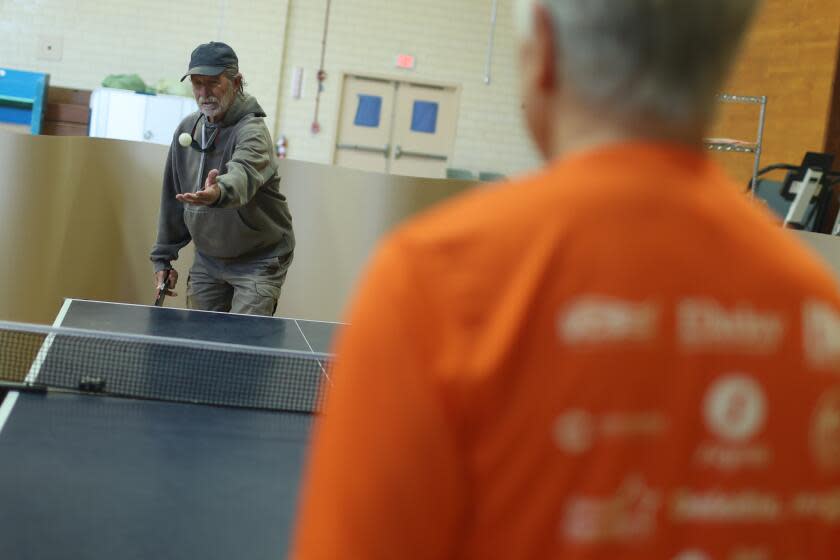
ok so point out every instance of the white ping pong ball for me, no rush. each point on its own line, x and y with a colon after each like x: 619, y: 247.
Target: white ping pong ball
x: 185, y: 139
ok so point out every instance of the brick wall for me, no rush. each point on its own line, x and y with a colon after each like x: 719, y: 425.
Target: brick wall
x: 791, y: 56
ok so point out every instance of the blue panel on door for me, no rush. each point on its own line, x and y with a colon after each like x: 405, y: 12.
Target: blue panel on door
x: 424, y: 117
x: 369, y: 111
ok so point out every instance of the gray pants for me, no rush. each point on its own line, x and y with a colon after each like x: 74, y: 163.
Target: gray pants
x: 251, y: 287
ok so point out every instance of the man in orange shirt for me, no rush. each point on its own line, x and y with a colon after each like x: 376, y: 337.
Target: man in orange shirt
x: 620, y: 356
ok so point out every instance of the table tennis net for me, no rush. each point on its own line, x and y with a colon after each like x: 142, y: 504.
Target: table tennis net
x: 39, y: 358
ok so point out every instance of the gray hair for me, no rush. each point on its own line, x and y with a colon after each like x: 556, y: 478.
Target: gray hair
x: 661, y: 58
x: 231, y: 73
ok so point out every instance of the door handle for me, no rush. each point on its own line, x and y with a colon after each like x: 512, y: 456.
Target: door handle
x: 399, y: 152
x: 369, y: 149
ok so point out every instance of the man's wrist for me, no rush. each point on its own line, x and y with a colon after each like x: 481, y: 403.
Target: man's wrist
x: 219, y: 201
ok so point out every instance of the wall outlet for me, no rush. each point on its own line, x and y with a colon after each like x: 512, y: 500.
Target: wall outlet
x: 50, y: 47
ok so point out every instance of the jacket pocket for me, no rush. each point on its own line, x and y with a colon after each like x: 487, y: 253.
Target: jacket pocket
x: 245, y: 222
x: 222, y: 233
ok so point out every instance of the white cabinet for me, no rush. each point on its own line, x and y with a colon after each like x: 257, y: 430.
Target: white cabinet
x: 126, y: 115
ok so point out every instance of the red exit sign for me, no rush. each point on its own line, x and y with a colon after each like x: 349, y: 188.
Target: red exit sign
x: 405, y: 61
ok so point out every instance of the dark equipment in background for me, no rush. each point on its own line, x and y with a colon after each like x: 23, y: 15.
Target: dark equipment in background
x: 806, y: 197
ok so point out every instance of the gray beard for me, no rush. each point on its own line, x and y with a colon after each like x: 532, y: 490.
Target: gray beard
x: 223, y: 106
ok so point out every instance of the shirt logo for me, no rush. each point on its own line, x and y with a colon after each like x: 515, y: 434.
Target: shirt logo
x: 629, y: 514
x: 735, y: 411
x: 715, y: 507
x: 750, y: 554
x: 735, y: 408
x: 576, y: 431
x: 821, y: 334
x: 596, y: 319
x: 706, y: 325
x: 824, y: 507
x: 692, y: 554
x: 825, y: 431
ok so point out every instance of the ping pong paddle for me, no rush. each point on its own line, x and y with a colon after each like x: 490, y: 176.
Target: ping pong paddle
x: 161, y: 290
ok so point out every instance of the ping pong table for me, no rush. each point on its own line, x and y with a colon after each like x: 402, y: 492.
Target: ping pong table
x: 97, y: 476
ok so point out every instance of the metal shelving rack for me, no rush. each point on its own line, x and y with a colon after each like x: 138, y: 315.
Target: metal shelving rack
x: 744, y: 147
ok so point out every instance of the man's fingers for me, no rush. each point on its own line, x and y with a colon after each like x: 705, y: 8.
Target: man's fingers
x: 189, y: 198
x: 166, y: 282
x: 212, y: 194
x: 205, y: 197
x: 211, y: 178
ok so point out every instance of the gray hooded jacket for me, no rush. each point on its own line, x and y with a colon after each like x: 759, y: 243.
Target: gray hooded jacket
x: 251, y: 219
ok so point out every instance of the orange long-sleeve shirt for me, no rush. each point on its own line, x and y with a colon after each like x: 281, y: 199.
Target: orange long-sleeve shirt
x: 619, y: 357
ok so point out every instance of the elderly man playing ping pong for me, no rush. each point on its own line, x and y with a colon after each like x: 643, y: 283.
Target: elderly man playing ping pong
x: 221, y: 190
x: 618, y: 356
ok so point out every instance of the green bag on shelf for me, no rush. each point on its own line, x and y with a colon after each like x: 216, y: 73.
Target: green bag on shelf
x: 131, y: 82
x: 174, y: 87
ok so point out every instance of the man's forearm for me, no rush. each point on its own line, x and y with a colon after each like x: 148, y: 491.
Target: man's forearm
x: 249, y: 169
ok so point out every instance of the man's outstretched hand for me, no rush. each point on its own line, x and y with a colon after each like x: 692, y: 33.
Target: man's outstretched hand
x: 207, y: 196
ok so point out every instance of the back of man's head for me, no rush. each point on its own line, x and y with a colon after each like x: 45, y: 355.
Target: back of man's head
x: 661, y: 59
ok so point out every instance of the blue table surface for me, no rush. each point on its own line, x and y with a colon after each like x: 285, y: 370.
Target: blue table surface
x: 98, y: 477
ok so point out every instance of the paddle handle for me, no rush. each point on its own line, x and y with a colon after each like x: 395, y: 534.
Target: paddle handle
x: 161, y: 290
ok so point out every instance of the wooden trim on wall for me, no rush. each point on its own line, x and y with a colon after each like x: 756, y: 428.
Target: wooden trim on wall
x: 832, y: 129
x: 832, y: 144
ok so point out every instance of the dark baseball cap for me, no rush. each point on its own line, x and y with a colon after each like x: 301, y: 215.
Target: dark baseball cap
x: 211, y: 59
